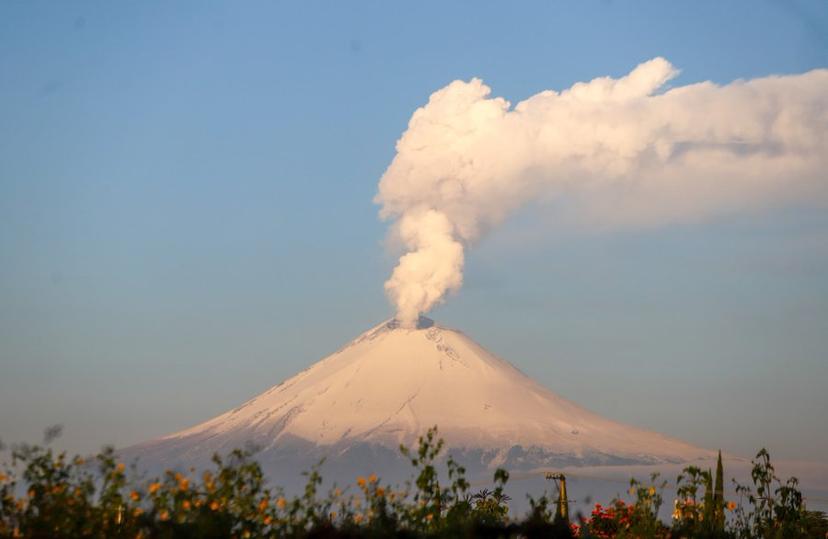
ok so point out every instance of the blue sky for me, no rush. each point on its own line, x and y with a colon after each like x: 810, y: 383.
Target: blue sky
x: 186, y: 216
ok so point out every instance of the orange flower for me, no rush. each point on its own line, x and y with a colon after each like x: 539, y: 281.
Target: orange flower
x: 137, y: 512
x: 263, y: 505
x: 361, y: 481
x: 120, y: 467
x: 164, y: 515
x: 214, y: 505
x: 380, y: 492
x: 186, y: 505
x: 183, y: 483
x: 731, y: 506
x: 281, y: 502
x: 267, y: 520
x: 153, y: 488
x: 373, y: 478
x: 134, y: 496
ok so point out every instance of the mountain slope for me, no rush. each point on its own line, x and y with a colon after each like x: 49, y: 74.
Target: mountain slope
x: 389, y: 385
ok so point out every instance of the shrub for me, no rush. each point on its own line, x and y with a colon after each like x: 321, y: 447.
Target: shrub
x: 44, y: 493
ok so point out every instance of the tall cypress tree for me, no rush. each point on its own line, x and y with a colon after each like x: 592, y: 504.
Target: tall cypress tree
x: 718, y: 495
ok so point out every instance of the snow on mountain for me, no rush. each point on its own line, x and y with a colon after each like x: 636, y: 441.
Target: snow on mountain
x: 388, y: 386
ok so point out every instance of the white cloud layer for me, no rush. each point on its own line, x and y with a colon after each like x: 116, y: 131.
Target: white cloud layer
x: 621, y: 151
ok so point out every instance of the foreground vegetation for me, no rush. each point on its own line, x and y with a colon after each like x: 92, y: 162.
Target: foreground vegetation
x: 44, y: 493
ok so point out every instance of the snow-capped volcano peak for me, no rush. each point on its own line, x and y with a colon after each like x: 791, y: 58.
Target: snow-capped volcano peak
x: 392, y: 383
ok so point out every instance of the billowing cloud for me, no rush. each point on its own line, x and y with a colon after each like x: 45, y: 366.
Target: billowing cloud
x: 620, y: 151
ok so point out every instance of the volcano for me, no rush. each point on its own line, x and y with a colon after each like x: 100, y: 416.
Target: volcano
x: 387, y: 387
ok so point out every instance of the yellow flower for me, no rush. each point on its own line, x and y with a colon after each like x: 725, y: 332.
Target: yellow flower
x: 651, y: 492
x: 361, y: 481
x: 281, y: 502
x: 164, y: 514
x: 677, y: 514
x: 134, y: 496
x: 333, y: 515
x: 631, y: 491
x: 153, y: 488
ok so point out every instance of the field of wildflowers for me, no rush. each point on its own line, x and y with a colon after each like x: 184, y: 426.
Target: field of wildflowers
x: 44, y: 493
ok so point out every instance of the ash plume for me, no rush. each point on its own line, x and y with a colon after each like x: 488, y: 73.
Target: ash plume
x: 620, y: 152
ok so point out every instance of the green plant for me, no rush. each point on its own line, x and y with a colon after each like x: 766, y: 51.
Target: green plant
x: 44, y: 493
x: 774, y: 509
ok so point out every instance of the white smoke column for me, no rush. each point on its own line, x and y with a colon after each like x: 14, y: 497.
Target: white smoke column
x: 433, y: 265
x: 622, y: 151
